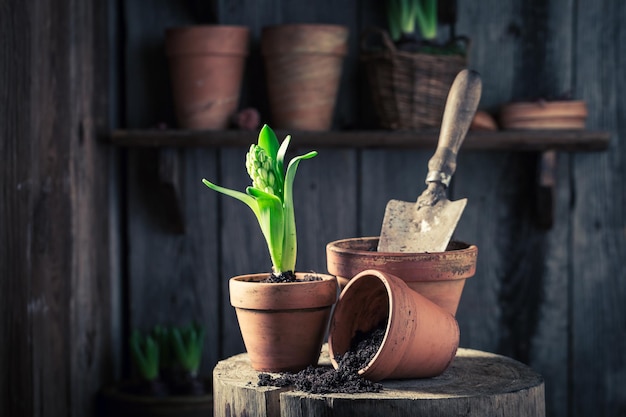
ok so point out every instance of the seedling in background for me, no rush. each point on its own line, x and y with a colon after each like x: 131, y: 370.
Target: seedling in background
x: 187, y: 347
x: 403, y: 15
x: 162, y: 335
x: 271, y: 197
x: 145, y: 354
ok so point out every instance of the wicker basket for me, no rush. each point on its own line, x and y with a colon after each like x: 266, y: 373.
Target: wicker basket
x: 409, y: 89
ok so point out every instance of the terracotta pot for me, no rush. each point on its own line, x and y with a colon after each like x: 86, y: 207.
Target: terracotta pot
x: 440, y: 276
x: 283, y: 325
x: 303, y: 65
x: 566, y: 114
x: 206, y: 68
x: 420, y: 340
x: 117, y: 401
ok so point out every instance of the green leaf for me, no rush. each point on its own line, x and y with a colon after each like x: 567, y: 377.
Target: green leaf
x: 161, y: 336
x: 271, y: 217
x: 267, y: 196
x: 280, y: 157
x: 426, y: 14
x: 290, y: 244
x: 268, y: 141
x: 244, y: 198
x: 145, y: 354
x: 187, y: 343
x: 408, y: 16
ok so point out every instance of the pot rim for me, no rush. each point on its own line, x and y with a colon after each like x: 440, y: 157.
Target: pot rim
x: 339, y: 247
x: 246, y: 292
x: 197, y: 40
x: 186, y: 27
x: 332, y: 39
x: 339, y: 27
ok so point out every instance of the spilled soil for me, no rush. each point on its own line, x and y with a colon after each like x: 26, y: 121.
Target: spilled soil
x: 346, y: 379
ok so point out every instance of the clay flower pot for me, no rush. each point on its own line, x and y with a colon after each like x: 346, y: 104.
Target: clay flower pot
x: 283, y: 324
x: 206, y: 69
x: 303, y: 64
x: 542, y: 114
x: 420, y: 340
x: 440, y: 276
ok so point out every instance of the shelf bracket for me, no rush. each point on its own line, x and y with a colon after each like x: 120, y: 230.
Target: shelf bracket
x: 545, y: 189
x: 171, y: 189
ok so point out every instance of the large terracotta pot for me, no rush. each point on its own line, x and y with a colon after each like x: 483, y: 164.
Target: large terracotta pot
x: 439, y: 276
x: 206, y: 69
x: 283, y: 324
x: 420, y: 340
x: 303, y: 65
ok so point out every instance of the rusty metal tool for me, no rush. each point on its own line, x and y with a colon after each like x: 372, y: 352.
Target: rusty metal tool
x: 428, y: 224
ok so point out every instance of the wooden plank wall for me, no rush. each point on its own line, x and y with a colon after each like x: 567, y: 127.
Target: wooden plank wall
x: 550, y: 298
x: 55, y: 303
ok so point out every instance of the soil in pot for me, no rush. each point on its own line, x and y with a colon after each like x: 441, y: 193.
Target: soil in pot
x: 345, y: 379
x: 289, y: 276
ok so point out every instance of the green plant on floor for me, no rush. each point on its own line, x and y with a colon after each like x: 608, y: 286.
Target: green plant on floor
x: 145, y: 354
x: 186, y: 344
x: 270, y: 197
x: 168, y: 359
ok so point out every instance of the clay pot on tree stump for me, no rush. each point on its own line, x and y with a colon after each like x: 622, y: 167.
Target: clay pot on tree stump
x: 420, y: 339
x: 303, y: 64
x: 206, y: 69
x: 283, y: 324
x: 439, y: 276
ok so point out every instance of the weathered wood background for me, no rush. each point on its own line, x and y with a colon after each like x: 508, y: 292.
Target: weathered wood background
x: 554, y: 299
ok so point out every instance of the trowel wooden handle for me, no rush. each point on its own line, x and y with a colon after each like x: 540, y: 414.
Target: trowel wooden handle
x: 460, y: 109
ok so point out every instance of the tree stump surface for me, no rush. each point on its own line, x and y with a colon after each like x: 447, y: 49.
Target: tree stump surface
x: 476, y: 384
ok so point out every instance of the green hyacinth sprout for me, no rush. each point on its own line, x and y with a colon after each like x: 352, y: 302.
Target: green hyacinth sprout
x: 270, y: 196
x: 404, y: 14
x: 145, y: 354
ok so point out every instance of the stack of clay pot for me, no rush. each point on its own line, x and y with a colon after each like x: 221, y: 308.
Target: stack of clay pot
x: 415, y: 295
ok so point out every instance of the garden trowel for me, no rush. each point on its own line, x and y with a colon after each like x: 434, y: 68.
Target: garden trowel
x: 428, y: 224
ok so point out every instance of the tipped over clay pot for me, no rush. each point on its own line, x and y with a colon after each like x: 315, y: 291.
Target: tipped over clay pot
x: 439, y: 276
x: 420, y: 339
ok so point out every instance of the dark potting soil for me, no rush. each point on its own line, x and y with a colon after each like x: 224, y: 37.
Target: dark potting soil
x: 346, y: 379
x: 289, y: 276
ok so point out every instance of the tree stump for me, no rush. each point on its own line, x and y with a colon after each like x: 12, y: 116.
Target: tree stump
x: 476, y: 384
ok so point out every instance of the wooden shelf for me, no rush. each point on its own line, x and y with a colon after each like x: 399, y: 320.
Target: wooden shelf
x: 518, y: 140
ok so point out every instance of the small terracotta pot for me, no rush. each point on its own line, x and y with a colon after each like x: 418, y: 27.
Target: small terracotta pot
x: 303, y: 64
x: 564, y: 114
x: 283, y: 324
x: 421, y: 338
x: 439, y: 276
x: 206, y: 69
